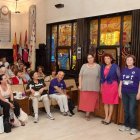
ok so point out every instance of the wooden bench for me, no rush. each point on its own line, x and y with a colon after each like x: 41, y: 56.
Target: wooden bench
x: 71, y: 90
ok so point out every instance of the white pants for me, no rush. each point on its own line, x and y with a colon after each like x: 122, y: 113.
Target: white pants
x: 45, y: 101
x: 61, y: 100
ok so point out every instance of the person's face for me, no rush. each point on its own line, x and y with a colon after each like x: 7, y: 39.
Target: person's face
x: 129, y: 61
x: 90, y: 59
x: 40, y: 70
x: 35, y: 76
x: 53, y: 73
x: 19, y: 74
x: 3, y: 70
x: 60, y: 75
x: 4, y: 79
x: 4, y: 59
x: 107, y: 60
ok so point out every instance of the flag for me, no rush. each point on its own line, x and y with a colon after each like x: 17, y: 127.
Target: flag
x: 25, y: 50
x: 15, y: 49
x: 32, y: 49
x: 20, y: 48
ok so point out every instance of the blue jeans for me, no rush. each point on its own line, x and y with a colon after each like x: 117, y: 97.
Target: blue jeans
x: 130, y: 105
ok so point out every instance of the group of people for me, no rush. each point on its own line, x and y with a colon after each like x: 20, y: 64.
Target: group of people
x: 35, y: 81
x: 107, y: 79
x: 112, y: 83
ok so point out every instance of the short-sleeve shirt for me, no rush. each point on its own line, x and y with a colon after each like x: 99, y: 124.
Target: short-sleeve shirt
x: 61, y: 84
x: 130, y: 80
x: 36, y: 86
x: 90, y: 78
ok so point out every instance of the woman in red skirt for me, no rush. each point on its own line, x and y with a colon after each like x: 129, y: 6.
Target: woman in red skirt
x: 89, y: 85
x: 109, y: 86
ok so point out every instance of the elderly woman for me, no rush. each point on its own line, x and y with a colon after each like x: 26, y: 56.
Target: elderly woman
x: 110, y: 74
x: 89, y: 85
x: 50, y: 77
x: 129, y: 91
x: 38, y: 91
x: 6, y: 96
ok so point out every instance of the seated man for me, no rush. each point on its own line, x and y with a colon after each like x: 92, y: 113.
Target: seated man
x: 57, y: 91
x: 38, y: 92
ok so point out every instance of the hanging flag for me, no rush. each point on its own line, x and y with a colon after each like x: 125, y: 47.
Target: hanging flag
x: 15, y: 48
x: 20, y: 48
x: 32, y: 49
x: 25, y: 50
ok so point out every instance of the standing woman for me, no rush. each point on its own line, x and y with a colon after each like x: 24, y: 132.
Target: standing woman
x: 109, y: 86
x: 129, y: 91
x: 89, y: 85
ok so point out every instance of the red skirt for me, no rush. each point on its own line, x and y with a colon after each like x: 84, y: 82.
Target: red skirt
x: 89, y: 101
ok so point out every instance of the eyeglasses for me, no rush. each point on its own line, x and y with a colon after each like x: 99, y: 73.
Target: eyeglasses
x: 89, y: 57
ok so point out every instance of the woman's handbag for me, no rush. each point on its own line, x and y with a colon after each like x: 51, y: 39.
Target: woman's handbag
x: 1, y: 124
x: 23, y: 116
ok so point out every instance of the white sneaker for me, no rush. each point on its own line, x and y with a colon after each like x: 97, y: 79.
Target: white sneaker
x: 50, y: 116
x: 36, y: 119
x: 124, y: 128
x: 133, y: 131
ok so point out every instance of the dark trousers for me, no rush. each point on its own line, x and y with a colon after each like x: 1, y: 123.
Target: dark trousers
x: 16, y: 109
x: 130, y: 105
x: 6, y: 108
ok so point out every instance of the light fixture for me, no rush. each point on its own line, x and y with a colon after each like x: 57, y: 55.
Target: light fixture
x: 16, y: 9
x: 59, y: 5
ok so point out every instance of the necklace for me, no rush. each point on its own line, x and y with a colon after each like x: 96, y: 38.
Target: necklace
x: 90, y: 65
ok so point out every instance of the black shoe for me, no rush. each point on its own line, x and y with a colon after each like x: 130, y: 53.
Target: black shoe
x: 72, y: 112
x: 102, y: 121
x: 107, y: 123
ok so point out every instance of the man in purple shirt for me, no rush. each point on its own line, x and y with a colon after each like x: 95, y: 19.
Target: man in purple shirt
x: 57, y: 91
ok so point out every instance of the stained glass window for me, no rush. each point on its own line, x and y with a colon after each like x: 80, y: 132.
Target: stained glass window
x: 110, y: 31
x: 65, y: 34
x: 53, y: 46
x: 64, y: 59
x: 127, y: 24
x: 93, y: 32
x: 74, y: 58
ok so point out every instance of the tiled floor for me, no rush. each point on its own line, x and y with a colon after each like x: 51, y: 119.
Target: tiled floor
x: 67, y: 128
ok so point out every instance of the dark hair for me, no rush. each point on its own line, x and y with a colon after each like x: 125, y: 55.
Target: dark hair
x: 91, y: 55
x: 2, y: 66
x: 107, y: 55
x: 132, y: 56
x: 1, y: 77
x: 32, y: 74
x: 41, y: 68
x: 18, y: 71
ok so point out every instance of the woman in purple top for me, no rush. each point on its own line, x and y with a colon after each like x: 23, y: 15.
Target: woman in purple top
x: 129, y: 91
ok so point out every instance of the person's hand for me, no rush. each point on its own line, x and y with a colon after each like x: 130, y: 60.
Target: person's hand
x: 138, y: 96
x: 11, y: 105
x: 79, y: 87
x: 32, y: 91
x: 41, y: 90
x: 120, y: 95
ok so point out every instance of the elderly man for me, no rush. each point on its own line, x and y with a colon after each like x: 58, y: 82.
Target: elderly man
x: 57, y: 91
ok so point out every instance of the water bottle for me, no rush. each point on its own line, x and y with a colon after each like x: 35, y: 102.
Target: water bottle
x: 11, y: 116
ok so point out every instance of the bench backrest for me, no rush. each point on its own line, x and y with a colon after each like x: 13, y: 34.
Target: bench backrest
x: 17, y: 88
x: 71, y: 82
